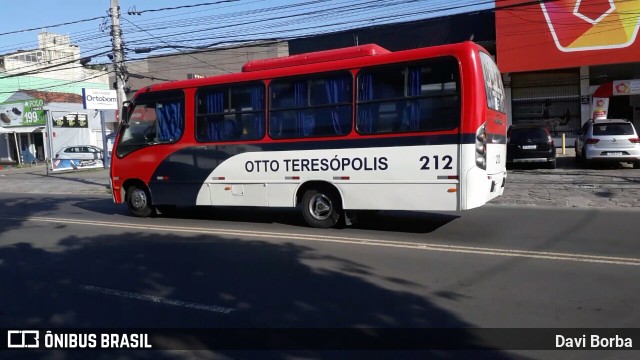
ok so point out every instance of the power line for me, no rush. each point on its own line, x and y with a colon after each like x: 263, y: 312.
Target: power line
x: 133, y: 11
x: 51, y: 26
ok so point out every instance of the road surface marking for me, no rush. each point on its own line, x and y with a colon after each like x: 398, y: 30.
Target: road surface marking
x: 158, y: 299
x: 352, y: 240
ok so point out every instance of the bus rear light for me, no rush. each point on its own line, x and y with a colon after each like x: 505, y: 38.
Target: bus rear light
x: 592, y: 141
x: 481, y: 147
x: 481, y: 136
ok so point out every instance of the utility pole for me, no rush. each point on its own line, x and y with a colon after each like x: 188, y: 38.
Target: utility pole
x: 118, y: 54
x: 119, y: 70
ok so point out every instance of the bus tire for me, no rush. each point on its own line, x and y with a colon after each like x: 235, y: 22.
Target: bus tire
x: 139, y: 201
x: 321, y: 208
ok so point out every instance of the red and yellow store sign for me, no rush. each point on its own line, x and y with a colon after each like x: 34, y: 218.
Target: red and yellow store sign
x: 566, y: 33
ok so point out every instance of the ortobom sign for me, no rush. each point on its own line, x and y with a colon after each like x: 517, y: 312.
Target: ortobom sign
x: 99, y: 99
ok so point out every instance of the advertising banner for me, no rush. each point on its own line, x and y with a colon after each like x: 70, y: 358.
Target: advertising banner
x: 22, y: 113
x: 599, y: 108
x: 543, y: 35
x: 72, y: 121
x: 626, y: 87
x: 76, y: 164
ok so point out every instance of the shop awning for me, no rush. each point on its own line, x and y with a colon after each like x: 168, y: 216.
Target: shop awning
x: 21, y: 129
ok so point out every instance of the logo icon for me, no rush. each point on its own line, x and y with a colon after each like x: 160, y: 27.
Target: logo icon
x: 584, y: 25
x: 23, y: 339
x: 622, y: 88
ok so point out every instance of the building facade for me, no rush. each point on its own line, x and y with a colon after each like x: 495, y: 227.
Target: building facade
x: 53, y: 66
x: 36, y: 86
x: 561, y: 60
x: 25, y: 138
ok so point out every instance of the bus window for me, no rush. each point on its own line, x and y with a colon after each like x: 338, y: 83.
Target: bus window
x: 422, y: 97
x: 230, y: 113
x: 493, y: 84
x: 310, y: 107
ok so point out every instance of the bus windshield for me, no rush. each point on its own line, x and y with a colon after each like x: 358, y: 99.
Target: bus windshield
x: 152, y: 121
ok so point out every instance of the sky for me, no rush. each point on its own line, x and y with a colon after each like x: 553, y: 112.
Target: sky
x: 204, y: 23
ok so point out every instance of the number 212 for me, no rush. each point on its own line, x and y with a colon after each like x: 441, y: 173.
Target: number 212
x: 447, y: 159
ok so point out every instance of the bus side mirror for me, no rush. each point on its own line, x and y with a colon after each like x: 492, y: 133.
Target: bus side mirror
x: 126, y: 107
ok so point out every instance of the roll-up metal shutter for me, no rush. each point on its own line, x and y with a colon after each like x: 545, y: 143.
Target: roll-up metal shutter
x: 551, y: 98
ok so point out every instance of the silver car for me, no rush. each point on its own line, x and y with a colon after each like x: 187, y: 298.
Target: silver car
x: 608, y: 140
x: 80, y: 152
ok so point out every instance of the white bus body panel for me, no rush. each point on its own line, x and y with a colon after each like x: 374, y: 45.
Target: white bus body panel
x: 390, y: 178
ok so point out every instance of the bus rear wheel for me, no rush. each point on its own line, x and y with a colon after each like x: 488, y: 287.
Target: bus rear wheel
x: 321, y: 208
x: 139, y: 201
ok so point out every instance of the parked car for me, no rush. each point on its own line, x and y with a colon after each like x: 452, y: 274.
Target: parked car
x: 608, y: 141
x: 80, y: 152
x: 530, y: 144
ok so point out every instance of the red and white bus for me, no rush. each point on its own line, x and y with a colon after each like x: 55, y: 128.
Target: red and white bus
x: 358, y: 128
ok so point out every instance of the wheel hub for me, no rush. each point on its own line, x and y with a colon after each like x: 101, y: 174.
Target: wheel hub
x: 320, y: 207
x: 138, y: 199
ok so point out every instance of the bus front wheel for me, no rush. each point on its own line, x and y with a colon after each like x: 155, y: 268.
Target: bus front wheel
x: 321, y: 208
x: 139, y: 201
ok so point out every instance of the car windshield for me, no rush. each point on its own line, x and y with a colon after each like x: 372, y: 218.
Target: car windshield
x: 613, y: 129
x: 528, y: 133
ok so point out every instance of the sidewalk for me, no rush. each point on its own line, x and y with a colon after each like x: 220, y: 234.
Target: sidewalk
x: 566, y: 186
x: 616, y: 187
x: 34, y: 180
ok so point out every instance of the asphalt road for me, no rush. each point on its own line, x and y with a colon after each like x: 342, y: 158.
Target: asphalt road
x: 80, y: 261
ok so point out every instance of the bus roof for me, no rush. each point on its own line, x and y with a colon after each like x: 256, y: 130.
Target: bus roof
x: 315, y: 57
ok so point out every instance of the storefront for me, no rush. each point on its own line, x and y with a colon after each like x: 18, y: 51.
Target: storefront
x: 24, y: 133
x: 22, y: 137
x: 556, y: 55
x: 549, y: 97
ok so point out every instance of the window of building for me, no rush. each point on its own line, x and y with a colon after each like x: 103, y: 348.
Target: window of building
x: 550, y: 98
